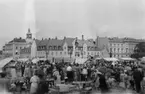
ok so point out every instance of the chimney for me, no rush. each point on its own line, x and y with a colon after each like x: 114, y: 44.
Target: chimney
x: 49, y: 38
x: 42, y: 38
x: 56, y: 38
x: 97, y: 41
x: 82, y: 37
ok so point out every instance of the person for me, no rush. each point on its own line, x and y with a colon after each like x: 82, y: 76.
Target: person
x: 4, y: 82
x: 34, y: 83
x: 69, y: 73
x: 138, y: 76
x: 56, y: 76
x: 143, y: 86
x: 102, y: 83
x: 84, y: 74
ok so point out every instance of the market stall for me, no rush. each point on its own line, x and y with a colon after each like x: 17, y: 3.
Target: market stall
x: 23, y: 59
x: 5, y: 62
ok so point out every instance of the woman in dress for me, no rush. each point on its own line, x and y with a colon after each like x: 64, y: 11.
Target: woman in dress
x: 34, y: 83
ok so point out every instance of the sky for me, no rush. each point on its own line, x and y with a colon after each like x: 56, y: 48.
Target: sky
x: 73, y: 18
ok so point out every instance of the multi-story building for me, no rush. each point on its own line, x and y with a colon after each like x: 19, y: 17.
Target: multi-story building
x: 119, y: 47
x: 12, y: 48
x: 67, y: 48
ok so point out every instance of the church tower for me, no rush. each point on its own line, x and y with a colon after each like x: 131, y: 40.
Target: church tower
x: 29, y: 36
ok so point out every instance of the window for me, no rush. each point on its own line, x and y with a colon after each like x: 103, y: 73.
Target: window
x: 16, y: 47
x: 51, y: 53
x: 64, y: 48
x: 65, y: 53
x: 50, y: 48
x: 84, y: 53
x: 60, y: 53
x: 88, y: 53
x: 16, y: 53
x: 126, y: 49
x: 118, y: 49
x: 54, y: 47
x: 92, y: 53
x: 114, y: 44
x: 59, y: 47
x: 114, y: 49
x: 56, y: 53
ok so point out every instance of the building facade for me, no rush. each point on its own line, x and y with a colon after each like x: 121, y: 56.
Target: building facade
x: 13, y: 48
x: 63, y: 49
x: 119, y: 47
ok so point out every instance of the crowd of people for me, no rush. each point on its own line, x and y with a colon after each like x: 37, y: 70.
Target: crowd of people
x: 38, y: 78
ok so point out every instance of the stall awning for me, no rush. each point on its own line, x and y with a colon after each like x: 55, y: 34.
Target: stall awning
x: 23, y: 59
x: 35, y: 60
x: 111, y: 59
x: 5, y: 61
x: 80, y: 61
x: 127, y: 59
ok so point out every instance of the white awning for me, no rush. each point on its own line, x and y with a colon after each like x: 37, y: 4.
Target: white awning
x: 23, y: 59
x: 80, y: 61
x: 35, y: 60
x: 111, y: 59
x: 127, y: 59
x: 5, y: 61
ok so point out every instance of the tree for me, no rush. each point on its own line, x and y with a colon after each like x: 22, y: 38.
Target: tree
x: 139, y: 50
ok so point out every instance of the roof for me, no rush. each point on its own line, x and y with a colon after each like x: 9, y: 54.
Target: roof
x: 37, y: 41
x: 116, y: 39
x: 18, y: 40
x: 55, y: 42
x: 81, y: 42
x: 43, y: 42
x: 69, y: 41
